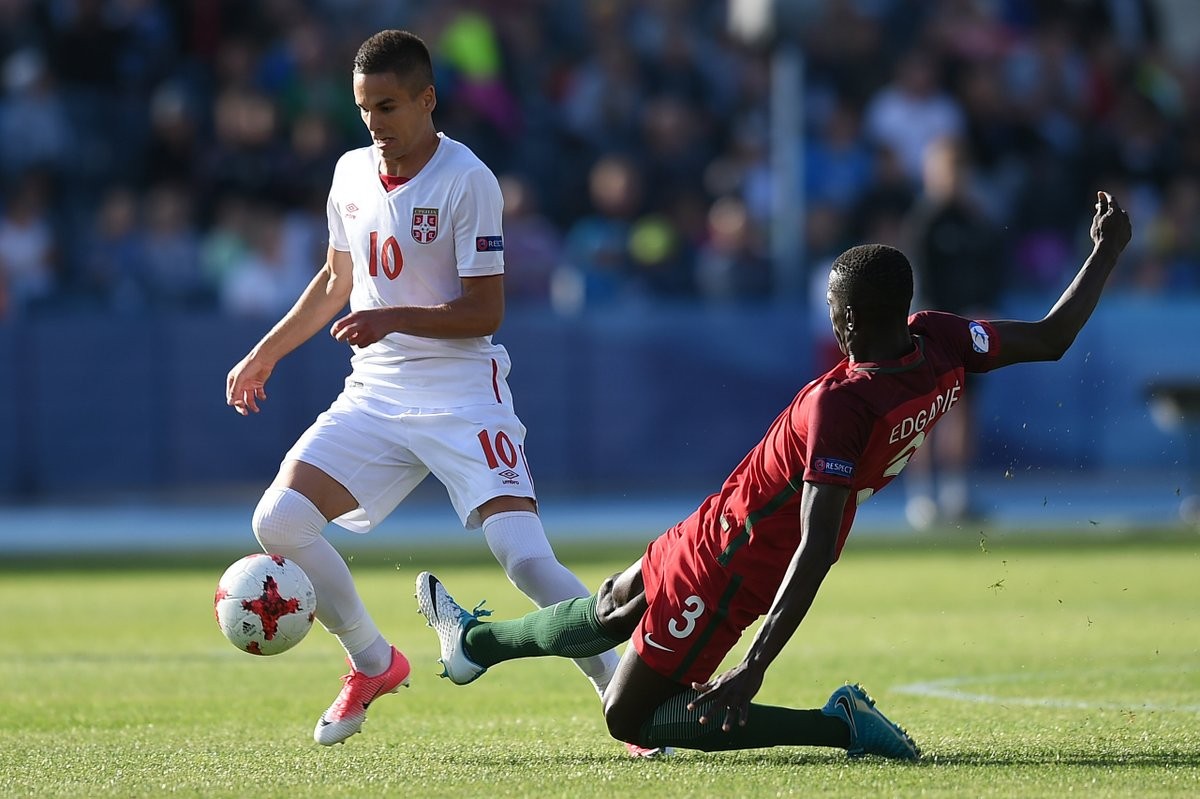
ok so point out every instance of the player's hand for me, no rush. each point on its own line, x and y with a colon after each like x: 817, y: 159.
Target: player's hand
x: 727, y: 696
x: 1111, y: 224
x: 363, y: 328
x: 245, y: 386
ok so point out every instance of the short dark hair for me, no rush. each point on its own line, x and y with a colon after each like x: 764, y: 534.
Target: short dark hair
x: 399, y: 52
x: 874, y: 275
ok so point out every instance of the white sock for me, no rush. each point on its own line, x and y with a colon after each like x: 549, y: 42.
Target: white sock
x: 286, y: 522
x: 373, y: 660
x: 518, y: 541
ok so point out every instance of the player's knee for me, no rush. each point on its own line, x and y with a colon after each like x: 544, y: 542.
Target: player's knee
x: 285, y: 519
x: 624, y: 723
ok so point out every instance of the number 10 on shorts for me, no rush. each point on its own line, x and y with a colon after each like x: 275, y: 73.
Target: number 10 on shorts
x: 498, y: 449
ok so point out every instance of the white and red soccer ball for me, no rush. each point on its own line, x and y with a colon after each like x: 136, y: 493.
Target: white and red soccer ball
x: 265, y: 604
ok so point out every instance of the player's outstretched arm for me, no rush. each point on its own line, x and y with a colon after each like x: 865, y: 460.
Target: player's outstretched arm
x: 1050, y: 338
x: 326, y: 294
x: 821, y: 509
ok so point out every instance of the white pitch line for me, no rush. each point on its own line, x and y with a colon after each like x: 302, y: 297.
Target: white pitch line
x: 949, y: 689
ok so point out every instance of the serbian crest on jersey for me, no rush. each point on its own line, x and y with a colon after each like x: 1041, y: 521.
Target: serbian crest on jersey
x: 424, y: 225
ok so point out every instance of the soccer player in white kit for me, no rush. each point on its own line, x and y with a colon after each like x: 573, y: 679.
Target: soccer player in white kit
x: 416, y: 247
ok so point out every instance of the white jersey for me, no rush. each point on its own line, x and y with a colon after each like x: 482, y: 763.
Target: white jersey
x: 410, y: 246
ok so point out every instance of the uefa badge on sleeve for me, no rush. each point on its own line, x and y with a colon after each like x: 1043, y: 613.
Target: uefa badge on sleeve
x: 979, y: 338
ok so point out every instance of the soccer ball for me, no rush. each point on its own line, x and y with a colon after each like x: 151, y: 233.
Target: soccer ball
x: 264, y: 604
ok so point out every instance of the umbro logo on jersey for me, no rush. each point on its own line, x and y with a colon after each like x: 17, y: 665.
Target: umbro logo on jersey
x: 424, y: 225
x: 351, y: 210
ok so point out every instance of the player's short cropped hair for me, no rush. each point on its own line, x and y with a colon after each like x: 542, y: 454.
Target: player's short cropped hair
x: 399, y: 52
x: 873, y: 275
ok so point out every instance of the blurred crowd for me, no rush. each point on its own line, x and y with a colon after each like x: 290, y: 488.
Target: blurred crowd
x: 168, y: 154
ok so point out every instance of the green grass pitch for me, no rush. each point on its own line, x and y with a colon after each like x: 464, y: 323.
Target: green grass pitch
x: 1022, y: 669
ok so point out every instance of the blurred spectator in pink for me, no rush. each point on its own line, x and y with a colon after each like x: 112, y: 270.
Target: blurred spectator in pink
x: 959, y: 266
x: 1170, y: 264
x: 532, y: 245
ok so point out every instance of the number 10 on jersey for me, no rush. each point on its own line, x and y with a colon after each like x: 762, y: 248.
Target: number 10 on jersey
x: 390, y: 256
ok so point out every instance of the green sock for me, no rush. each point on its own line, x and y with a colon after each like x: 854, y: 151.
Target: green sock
x: 672, y: 724
x: 567, y: 629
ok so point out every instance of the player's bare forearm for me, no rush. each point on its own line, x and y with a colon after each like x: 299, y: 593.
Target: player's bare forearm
x: 821, y: 508
x: 325, y: 295
x: 1051, y: 337
x: 1079, y: 300
x: 804, y: 576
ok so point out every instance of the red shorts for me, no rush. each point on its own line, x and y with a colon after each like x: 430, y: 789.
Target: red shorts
x: 696, y: 609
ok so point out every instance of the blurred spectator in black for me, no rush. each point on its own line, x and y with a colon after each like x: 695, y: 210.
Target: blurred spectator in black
x: 959, y: 266
x: 173, y: 149
x: 246, y: 155
x: 307, y: 163
x: 880, y: 213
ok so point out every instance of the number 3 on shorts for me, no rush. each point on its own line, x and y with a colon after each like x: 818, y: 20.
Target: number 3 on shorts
x: 694, y: 610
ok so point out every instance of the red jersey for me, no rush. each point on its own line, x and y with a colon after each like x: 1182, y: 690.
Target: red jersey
x: 857, y: 425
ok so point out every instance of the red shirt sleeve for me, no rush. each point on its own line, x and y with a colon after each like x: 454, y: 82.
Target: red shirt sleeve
x: 975, y: 342
x: 839, y: 428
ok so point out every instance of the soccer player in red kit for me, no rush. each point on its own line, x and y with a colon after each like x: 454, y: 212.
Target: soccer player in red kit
x: 763, y: 544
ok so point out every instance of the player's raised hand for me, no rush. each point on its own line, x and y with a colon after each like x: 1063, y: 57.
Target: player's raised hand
x: 246, y: 384
x: 1110, y: 224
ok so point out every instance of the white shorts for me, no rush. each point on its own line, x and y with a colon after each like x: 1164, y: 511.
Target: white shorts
x: 381, y: 451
